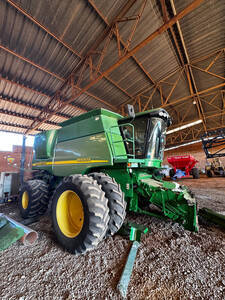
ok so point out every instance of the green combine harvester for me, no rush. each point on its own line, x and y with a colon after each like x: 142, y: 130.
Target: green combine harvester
x: 97, y: 166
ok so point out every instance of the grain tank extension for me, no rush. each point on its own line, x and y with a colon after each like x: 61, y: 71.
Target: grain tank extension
x: 96, y: 167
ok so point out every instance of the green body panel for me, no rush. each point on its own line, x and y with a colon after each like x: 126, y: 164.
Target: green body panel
x: 83, y: 142
x: 97, y: 153
x: 141, y: 187
x: 122, y: 175
x: 90, y: 114
x: 93, y: 142
x: 212, y: 216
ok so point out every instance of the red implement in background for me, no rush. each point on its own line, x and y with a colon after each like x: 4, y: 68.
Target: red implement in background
x: 182, y: 162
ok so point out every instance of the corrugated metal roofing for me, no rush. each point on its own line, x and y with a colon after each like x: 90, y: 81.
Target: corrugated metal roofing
x: 34, y: 62
x: 202, y: 28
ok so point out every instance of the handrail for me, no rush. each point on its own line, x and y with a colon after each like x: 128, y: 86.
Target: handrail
x: 123, y: 140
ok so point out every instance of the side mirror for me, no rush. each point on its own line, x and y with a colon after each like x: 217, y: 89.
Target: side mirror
x: 130, y: 110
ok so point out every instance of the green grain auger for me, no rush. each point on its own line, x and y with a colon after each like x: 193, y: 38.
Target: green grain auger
x: 95, y: 167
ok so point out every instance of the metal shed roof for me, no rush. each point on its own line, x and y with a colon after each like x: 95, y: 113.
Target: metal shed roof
x: 59, y: 59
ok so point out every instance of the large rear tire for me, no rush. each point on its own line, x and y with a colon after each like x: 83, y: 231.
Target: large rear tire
x: 33, y: 198
x: 80, y: 213
x: 116, y: 202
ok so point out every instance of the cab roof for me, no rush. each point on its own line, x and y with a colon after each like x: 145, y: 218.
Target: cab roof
x: 108, y: 113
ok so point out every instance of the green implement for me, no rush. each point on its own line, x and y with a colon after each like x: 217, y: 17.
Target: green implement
x: 125, y: 278
x: 135, y: 231
x: 212, y: 216
x: 9, y: 233
x: 98, y: 166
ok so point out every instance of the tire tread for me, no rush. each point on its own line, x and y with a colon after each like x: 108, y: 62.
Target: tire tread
x: 116, y: 201
x: 38, y: 196
x: 98, y: 211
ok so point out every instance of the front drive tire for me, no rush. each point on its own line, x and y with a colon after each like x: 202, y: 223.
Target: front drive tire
x: 116, y: 202
x: 80, y: 213
x: 33, y: 198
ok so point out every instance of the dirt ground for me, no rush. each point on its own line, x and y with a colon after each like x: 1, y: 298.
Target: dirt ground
x: 171, y: 263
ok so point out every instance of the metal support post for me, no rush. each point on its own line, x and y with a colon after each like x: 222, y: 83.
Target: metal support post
x: 22, y: 160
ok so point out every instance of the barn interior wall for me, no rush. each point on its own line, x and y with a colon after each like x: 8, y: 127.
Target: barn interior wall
x: 6, y: 166
x: 194, y: 149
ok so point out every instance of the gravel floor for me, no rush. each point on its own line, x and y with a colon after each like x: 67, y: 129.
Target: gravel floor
x: 171, y: 263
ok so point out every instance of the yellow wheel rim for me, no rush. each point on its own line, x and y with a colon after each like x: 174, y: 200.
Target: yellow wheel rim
x: 25, y: 200
x: 70, y: 214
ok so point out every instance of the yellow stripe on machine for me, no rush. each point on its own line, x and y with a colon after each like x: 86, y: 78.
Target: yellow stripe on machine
x: 69, y: 162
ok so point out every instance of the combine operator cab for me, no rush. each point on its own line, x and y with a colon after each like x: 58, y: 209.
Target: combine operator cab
x: 145, y: 135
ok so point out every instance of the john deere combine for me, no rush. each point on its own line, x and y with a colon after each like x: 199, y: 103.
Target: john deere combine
x: 97, y: 165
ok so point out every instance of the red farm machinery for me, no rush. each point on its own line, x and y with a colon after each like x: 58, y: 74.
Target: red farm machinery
x: 183, y: 166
